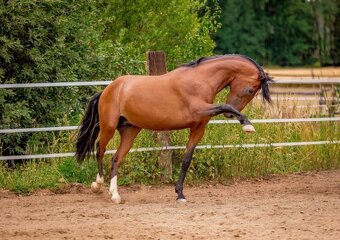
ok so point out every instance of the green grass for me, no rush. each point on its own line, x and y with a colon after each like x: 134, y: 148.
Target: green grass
x: 208, y: 164
x: 29, y: 176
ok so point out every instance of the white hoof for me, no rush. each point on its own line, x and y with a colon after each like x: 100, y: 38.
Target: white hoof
x: 181, y: 200
x: 99, y: 179
x: 95, y: 187
x: 116, y: 200
x: 248, y: 128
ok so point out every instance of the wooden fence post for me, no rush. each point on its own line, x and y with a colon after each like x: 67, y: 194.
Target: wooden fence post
x: 156, y: 65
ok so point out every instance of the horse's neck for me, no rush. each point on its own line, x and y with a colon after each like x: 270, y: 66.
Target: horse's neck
x: 216, y: 75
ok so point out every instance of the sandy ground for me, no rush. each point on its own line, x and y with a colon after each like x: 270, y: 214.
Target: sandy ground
x: 298, y: 206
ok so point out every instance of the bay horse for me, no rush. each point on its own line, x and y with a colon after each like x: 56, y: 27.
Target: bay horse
x: 182, y: 98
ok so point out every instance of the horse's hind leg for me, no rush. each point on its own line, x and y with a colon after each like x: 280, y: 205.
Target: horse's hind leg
x: 105, y: 135
x: 127, y: 135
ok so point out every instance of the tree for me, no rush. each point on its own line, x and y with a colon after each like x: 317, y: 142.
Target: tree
x: 335, y: 39
x: 243, y: 30
x: 67, y: 40
x: 39, y: 43
x: 292, y: 41
x: 169, y: 25
x: 286, y: 33
x: 324, y: 16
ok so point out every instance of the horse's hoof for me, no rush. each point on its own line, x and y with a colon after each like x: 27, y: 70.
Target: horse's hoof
x: 116, y: 200
x: 95, y: 187
x: 248, y: 128
x: 100, y: 179
x: 181, y: 200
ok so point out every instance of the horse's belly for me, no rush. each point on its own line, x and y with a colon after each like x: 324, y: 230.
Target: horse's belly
x: 154, y: 105
x: 157, y: 121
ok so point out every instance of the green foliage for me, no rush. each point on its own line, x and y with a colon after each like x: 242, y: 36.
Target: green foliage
x: 40, y: 42
x: 286, y: 33
x: 29, y: 176
x: 70, y: 171
x: 335, y: 35
x: 171, y: 26
x: 33, y: 175
x: 293, y: 39
x: 325, y: 18
x: 243, y: 29
x: 66, y: 40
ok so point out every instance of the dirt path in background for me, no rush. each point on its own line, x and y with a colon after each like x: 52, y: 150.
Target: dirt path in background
x: 299, y: 206
x: 305, y: 72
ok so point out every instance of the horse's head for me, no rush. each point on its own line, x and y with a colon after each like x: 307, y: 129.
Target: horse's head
x: 243, y: 76
x: 246, y: 84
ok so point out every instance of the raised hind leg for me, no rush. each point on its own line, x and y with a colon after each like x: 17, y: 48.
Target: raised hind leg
x: 128, y: 134
x: 195, y: 136
x: 104, y: 137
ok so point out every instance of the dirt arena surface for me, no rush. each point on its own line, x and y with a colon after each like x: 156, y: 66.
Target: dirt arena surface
x: 298, y: 206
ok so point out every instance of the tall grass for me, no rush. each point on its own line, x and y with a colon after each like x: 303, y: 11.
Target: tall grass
x: 208, y: 164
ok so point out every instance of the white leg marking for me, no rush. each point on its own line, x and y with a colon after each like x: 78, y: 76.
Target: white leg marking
x: 99, y: 179
x: 114, y: 190
x: 181, y: 200
x: 248, y: 128
x: 95, y: 186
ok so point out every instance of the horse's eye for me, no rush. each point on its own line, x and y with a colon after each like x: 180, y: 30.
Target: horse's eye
x: 251, y: 91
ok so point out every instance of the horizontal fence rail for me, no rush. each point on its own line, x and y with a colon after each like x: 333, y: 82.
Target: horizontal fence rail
x: 278, y: 120
x: 308, y: 81
x: 314, y: 106
x: 291, y: 98
x: 107, y: 82
x: 55, y: 84
x: 296, y: 98
x: 150, y: 149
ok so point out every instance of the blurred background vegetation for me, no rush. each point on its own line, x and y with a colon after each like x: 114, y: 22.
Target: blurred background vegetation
x: 281, y: 33
x: 86, y: 40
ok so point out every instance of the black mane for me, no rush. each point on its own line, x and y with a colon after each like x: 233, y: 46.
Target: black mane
x: 200, y: 60
x: 263, y: 76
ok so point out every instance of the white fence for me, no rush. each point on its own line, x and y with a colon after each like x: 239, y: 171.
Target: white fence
x: 302, y: 81
x: 150, y: 149
x: 107, y: 82
x: 104, y: 83
x: 280, y: 120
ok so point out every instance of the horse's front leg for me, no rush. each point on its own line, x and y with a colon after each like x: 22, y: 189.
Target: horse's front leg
x: 229, y: 111
x: 195, y: 136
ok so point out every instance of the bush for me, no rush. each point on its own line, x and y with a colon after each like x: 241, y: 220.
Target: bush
x: 66, y: 40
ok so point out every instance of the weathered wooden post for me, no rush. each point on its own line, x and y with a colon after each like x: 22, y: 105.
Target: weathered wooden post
x: 156, y: 65
x: 322, y: 99
x: 333, y: 102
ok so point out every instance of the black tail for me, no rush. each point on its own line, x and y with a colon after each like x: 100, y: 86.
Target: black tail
x: 88, y: 131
